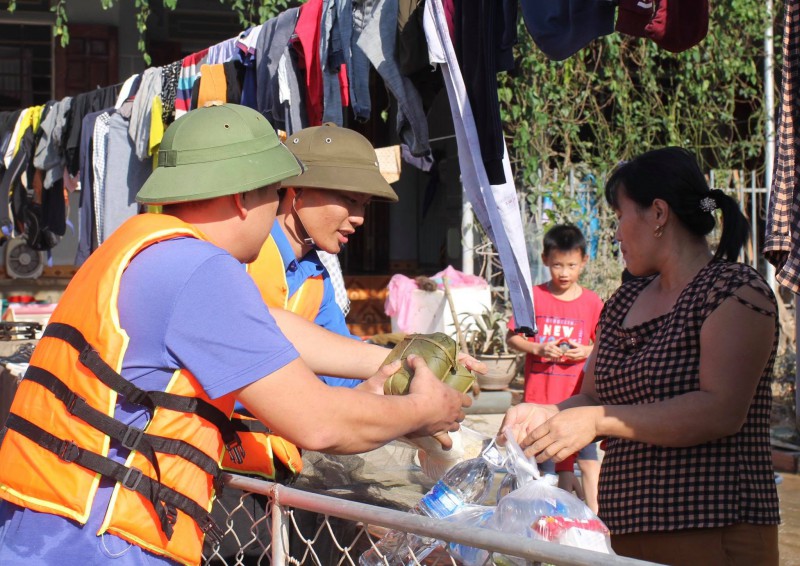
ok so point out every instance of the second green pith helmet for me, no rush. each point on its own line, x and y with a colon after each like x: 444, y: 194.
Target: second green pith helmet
x: 217, y: 151
x: 337, y: 159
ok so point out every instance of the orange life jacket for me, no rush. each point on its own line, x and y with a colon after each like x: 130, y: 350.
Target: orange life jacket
x: 270, y: 276
x: 261, y: 446
x: 62, y: 418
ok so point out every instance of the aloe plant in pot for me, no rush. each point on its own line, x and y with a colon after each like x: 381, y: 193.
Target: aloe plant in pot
x: 485, y: 336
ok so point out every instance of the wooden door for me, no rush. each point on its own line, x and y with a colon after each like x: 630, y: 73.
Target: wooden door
x: 89, y: 61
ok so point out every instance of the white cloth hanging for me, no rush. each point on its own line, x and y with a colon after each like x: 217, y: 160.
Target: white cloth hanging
x: 495, y: 206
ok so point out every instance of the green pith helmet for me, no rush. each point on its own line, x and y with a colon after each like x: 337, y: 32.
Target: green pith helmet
x: 216, y: 151
x: 338, y: 159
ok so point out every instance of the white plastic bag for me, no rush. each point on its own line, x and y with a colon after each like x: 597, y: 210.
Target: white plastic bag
x: 435, y: 461
x: 541, y: 511
x: 471, y: 516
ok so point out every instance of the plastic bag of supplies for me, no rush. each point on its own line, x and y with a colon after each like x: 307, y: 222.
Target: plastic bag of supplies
x: 536, y: 509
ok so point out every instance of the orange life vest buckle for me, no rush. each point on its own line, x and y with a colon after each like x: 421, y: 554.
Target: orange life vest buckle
x: 235, y: 449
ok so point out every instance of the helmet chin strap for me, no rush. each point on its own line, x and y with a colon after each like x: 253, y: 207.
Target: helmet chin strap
x: 308, y: 240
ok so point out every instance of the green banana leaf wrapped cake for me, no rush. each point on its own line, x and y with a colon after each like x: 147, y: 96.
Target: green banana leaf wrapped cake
x: 439, y: 351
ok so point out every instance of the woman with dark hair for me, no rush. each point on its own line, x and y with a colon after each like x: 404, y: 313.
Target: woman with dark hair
x: 679, y: 379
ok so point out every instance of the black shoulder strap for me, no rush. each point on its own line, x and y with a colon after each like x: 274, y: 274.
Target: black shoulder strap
x: 166, y: 501
x: 89, y: 357
x: 249, y: 425
x: 130, y: 437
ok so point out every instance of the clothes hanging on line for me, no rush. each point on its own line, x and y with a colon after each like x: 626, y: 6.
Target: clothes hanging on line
x: 495, y: 206
x: 304, y: 65
x: 780, y: 247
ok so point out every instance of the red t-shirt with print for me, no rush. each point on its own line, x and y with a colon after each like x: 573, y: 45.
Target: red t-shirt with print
x: 549, y: 382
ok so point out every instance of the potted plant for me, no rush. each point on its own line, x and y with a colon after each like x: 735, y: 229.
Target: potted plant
x: 485, y: 336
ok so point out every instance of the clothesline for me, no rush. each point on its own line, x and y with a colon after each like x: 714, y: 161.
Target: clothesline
x: 259, y: 68
x: 442, y: 138
x: 264, y: 62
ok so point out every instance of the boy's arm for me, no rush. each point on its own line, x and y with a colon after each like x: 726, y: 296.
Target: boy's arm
x: 568, y: 481
x: 521, y: 344
x: 580, y: 351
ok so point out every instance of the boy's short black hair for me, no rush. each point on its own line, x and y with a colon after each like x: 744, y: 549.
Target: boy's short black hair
x: 564, y: 238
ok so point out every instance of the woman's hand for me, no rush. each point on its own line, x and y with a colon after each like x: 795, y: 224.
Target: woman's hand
x: 522, y: 419
x: 563, y: 434
x: 471, y: 363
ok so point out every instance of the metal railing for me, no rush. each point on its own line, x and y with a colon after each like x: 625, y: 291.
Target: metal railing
x: 340, y: 530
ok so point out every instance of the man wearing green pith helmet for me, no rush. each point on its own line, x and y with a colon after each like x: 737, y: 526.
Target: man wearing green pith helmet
x: 319, y: 211
x: 159, y: 333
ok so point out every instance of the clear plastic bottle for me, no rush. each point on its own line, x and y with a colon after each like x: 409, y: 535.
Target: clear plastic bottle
x: 472, y: 516
x: 467, y: 482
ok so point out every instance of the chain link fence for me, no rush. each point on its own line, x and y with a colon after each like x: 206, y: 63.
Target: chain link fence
x: 292, y: 526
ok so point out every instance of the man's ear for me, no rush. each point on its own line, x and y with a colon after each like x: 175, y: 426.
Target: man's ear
x: 240, y: 205
x: 289, y: 195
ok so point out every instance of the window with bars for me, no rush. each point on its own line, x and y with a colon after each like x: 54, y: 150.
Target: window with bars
x: 26, y: 62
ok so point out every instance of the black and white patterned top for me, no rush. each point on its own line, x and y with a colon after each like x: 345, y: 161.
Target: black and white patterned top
x: 169, y: 89
x: 780, y: 248
x: 647, y: 488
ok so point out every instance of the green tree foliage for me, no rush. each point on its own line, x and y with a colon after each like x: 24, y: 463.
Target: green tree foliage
x: 621, y: 96
x: 250, y: 12
x: 568, y: 123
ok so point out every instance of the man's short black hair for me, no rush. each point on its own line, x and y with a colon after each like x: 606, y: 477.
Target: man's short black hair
x: 564, y: 238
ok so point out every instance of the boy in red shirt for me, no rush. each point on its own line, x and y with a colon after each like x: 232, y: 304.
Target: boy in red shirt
x: 566, y: 316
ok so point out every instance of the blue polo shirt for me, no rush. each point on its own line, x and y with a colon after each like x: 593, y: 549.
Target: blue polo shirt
x: 330, y: 316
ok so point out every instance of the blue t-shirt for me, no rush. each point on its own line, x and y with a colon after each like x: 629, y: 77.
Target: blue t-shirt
x: 184, y: 303
x: 330, y: 316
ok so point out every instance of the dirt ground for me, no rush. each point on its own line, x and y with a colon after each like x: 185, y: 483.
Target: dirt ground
x: 789, y: 531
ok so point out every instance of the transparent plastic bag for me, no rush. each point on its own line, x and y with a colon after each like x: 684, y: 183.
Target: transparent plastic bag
x: 530, y: 505
x: 472, y: 516
x: 539, y: 510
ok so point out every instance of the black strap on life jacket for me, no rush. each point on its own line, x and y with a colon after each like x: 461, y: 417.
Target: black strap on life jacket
x: 249, y: 425
x: 149, y: 399
x: 283, y: 474
x: 166, y: 501
x: 130, y: 437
